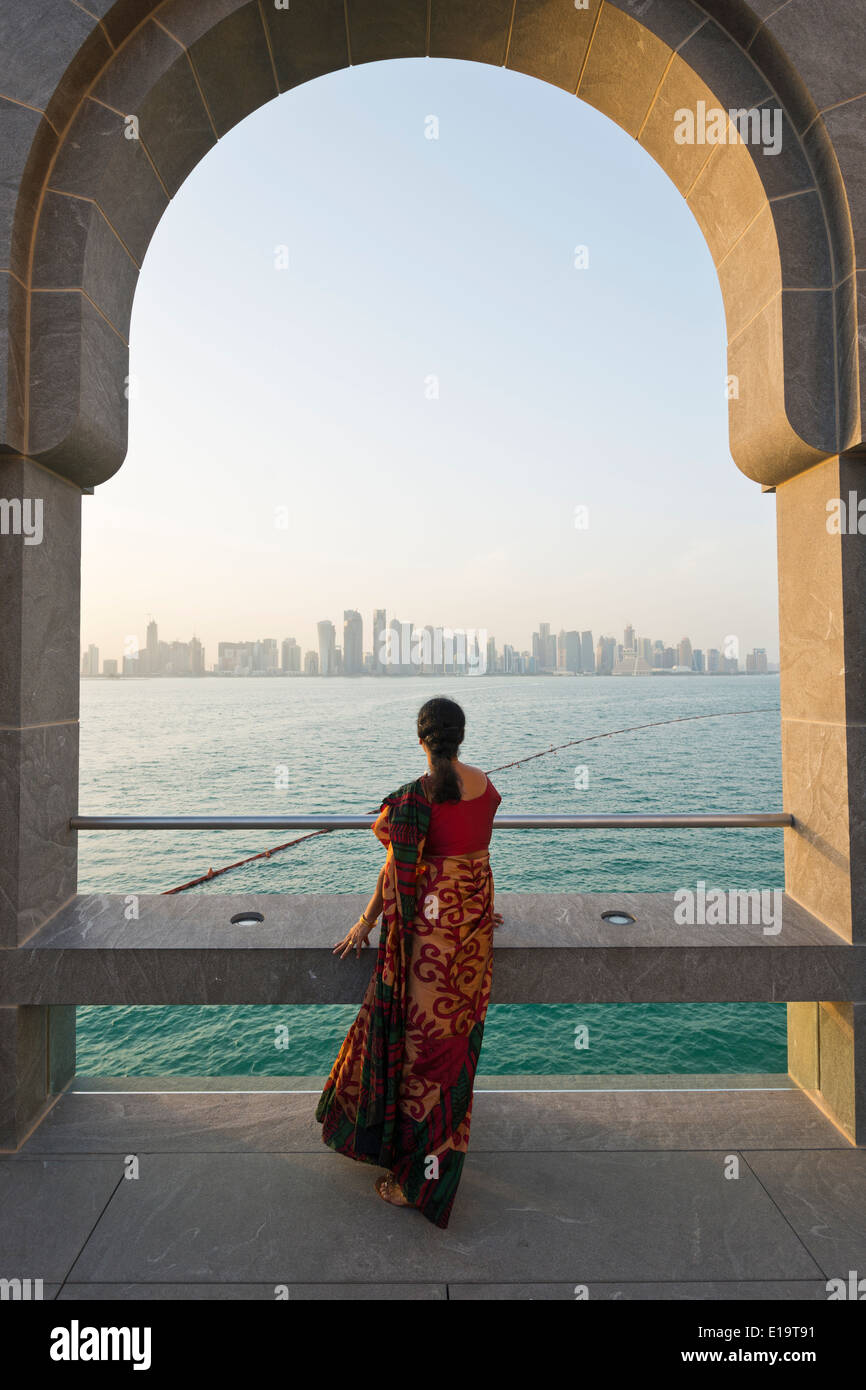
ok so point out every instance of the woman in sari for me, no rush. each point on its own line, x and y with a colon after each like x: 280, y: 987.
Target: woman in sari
x: 400, y: 1092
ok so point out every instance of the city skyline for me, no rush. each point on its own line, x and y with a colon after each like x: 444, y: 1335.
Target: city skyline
x: 403, y: 647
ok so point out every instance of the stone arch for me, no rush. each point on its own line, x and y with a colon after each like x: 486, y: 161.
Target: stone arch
x: 778, y: 226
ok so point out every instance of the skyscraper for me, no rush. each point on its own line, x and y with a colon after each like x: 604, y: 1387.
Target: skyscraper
x: 684, y: 653
x: 353, y: 642
x: 587, y: 653
x: 90, y: 661
x: 628, y: 639
x: 265, y: 655
x: 327, y: 647
x: 291, y: 657
x: 428, y: 647
x: 379, y: 640
x: 407, y: 646
x: 152, y: 667
x: 392, y: 651
x: 605, y: 655
x: 178, y: 663
x: 544, y: 648
x: 572, y: 651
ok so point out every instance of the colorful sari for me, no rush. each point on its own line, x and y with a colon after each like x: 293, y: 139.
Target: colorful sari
x: 400, y: 1092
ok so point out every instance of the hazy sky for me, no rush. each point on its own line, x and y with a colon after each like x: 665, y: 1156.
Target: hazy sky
x: 306, y: 394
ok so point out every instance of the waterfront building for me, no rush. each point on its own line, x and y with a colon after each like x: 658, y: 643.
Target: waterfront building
x: 235, y: 658
x: 152, y: 666
x: 327, y: 647
x: 426, y: 649
x: 90, y: 661
x: 630, y: 664
x: 605, y: 656
x: 265, y: 658
x: 311, y: 663
x: 544, y: 648
x: 290, y: 657
x: 572, y: 651
x: 353, y: 642
x: 177, y: 662
x: 379, y: 641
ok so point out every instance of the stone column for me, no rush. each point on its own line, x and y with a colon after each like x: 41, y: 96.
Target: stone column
x: 40, y: 543
x: 822, y: 622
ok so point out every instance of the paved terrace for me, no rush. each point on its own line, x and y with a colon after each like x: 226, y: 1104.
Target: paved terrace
x: 617, y: 1183
x: 618, y: 1188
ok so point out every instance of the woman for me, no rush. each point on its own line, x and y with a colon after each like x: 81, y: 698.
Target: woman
x: 400, y: 1092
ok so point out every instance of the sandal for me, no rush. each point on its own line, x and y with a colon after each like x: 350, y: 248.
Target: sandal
x: 389, y: 1191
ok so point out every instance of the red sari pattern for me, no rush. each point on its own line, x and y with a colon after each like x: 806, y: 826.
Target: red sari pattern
x: 442, y: 963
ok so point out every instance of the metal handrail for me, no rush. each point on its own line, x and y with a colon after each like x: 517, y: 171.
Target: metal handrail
x: 722, y: 821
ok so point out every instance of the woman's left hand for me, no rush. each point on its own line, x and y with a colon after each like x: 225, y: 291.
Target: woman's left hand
x: 497, y: 919
x: 355, y: 938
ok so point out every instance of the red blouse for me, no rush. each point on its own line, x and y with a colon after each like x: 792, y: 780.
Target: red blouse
x: 462, y: 827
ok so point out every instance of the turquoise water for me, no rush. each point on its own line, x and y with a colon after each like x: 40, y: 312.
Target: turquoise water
x: 339, y: 745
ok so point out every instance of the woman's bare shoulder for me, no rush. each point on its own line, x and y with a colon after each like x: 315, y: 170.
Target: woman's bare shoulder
x: 473, y: 778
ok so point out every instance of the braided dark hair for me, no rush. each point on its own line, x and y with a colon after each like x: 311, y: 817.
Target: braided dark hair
x: 441, y: 725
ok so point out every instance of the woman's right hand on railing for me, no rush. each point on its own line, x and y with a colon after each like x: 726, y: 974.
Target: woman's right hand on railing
x: 355, y: 938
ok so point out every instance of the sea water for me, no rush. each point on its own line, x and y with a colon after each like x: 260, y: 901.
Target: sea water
x: 337, y: 746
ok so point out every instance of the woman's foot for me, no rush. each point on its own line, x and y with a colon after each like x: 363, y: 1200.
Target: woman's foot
x: 389, y: 1191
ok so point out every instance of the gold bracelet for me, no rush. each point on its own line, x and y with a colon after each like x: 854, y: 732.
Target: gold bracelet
x: 366, y: 921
